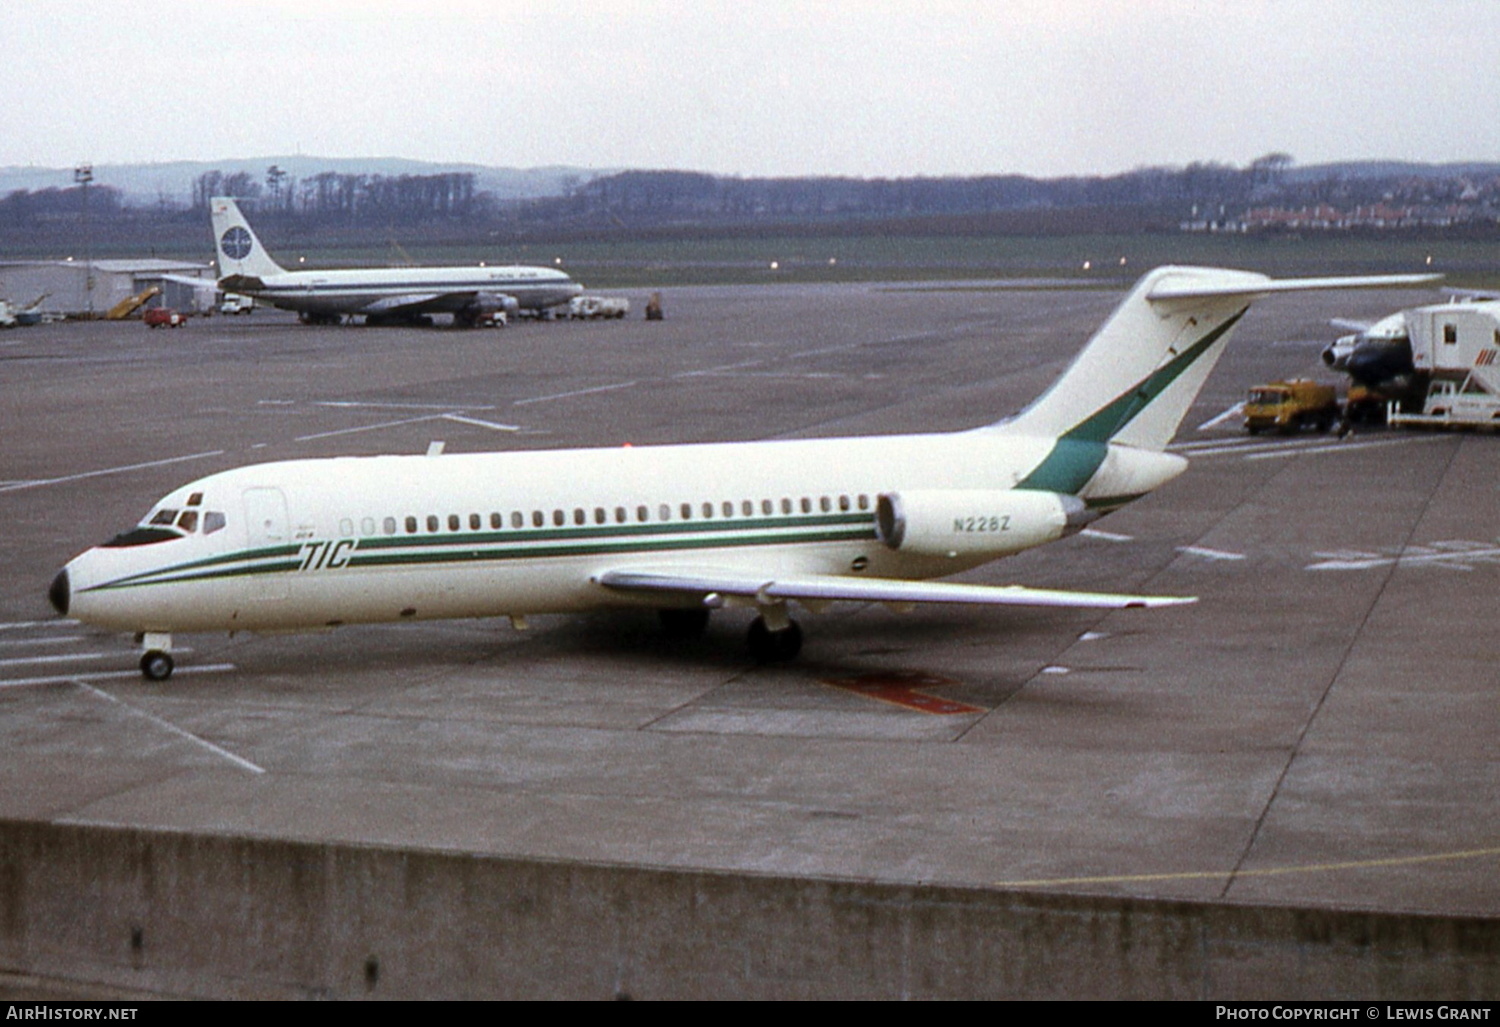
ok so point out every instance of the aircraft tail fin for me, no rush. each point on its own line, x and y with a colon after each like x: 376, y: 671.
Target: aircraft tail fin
x: 239, y: 249
x: 1135, y: 380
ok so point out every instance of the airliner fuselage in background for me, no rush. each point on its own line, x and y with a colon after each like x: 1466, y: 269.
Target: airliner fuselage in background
x: 307, y: 544
x: 378, y: 294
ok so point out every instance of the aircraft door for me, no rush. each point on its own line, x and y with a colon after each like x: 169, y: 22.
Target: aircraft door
x: 266, y: 524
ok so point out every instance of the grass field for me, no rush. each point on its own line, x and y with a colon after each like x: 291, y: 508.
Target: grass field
x: 845, y: 257
x: 834, y: 258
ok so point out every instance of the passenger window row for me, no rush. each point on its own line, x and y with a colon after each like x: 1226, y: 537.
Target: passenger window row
x: 412, y: 524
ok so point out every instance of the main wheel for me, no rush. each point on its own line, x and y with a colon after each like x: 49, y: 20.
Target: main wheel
x: 769, y: 646
x: 156, y: 665
x: 683, y: 623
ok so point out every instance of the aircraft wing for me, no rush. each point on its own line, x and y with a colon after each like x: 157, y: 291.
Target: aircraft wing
x: 411, y: 302
x: 197, y: 283
x: 813, y: 588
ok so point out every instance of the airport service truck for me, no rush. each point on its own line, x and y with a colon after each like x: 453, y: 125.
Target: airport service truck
x: 589, y: 308
x: 1290, y: 406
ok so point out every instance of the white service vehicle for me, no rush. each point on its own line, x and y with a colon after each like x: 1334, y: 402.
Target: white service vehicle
x: 591, y: 308
x: 234, y: 303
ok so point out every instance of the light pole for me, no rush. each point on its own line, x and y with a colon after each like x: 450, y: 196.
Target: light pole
x: 83, y: 174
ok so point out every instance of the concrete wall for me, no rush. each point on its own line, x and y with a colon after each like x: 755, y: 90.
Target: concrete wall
x: 150, y: 912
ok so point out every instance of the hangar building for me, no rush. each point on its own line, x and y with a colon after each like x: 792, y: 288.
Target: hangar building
x: 76, y: 288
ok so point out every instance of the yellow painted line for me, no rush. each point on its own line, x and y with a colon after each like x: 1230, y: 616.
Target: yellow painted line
x: 1199, y: 875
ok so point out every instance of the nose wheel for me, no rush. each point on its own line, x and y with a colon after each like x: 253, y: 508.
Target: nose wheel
x: 156, y: 665
x: 156, y: 661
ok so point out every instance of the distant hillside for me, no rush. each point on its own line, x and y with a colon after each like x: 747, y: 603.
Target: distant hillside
x: 171, y: 184
x: 1364, y: 169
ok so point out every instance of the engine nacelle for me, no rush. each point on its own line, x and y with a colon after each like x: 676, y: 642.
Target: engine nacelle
x: 976, y: 522
x: 485, y: 306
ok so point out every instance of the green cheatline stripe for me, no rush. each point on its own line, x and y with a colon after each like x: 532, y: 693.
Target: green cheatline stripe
x: 211, y: 561
x: 578, y: 543
x: 584, y: 549
x: 1080, y: 450
x: 170, y: 578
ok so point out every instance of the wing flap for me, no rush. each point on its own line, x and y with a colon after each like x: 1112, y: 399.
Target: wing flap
x: 409, y: 303
x: 810, y: 588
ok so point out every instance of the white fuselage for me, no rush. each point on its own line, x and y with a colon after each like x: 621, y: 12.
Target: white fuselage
x: 449, y: 288
x: 309, y: 543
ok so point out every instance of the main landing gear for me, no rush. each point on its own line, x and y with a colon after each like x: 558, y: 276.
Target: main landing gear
x: 774, y: 637
x: 774, y: 645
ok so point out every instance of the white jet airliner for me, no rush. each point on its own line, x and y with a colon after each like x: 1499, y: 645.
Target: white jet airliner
x: 388, y: 295
x: 308, y: 544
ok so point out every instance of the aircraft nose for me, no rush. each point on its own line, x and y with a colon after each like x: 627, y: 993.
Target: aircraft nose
x: 61, y: 592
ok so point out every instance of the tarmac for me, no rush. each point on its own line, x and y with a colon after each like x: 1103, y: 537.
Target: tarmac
x: 1317, y: 732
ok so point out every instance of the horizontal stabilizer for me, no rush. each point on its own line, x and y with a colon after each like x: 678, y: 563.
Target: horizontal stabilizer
x: 241, y: 283
x: 1203, y: 283
x: 830, y: 587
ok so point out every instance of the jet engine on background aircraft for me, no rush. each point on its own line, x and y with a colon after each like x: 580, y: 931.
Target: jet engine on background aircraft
x: 1377, y: 356
x: 484, y: 306
x: 975, y: 522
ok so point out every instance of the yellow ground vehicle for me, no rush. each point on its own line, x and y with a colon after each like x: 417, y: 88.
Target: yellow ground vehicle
x: 1291, y: 406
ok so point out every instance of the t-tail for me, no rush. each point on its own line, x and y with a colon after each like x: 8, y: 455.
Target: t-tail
x: 240, y: 251
x: 1118, y: 405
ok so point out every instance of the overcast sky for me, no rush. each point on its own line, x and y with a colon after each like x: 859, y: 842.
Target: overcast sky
x: 1042, y: 87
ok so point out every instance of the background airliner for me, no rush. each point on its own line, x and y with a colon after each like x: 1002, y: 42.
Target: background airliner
x: 378, y: 294
x: 308, y: 544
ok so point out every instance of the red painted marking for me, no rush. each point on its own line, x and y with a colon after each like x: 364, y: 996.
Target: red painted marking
x: 902, y: 688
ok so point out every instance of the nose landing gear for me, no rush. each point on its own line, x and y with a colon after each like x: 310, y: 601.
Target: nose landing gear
x: 156, y: 661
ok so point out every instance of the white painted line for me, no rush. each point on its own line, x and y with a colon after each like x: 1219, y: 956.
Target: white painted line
x: 1455, y: 556
x: 1056, y: 670
x: 19, y: 624
x: 1228, y: 415
x: 721, y: 369
x: 1108, y: 536
x: 65, y: 657
x: 17, y: 643
x: 575, y: 392
x: 354, y: 405
x: 36, y: 483
x: 23, y: 660
x: 367, y: 427
x: 1243, y: 445
x: 1344, y: 447
x: 238, y: 761
x: 461, y: 419
x: 1210, y: 554
x: 111, y: 675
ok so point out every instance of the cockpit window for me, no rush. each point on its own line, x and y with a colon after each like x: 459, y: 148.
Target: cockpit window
x: 164, y: 517
x: 188, y: 522
x: 213, y: 521
x: 141, y: 537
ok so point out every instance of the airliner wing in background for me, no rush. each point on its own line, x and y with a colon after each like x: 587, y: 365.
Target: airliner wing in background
x: 813, y: 588
x: 412, y: 302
